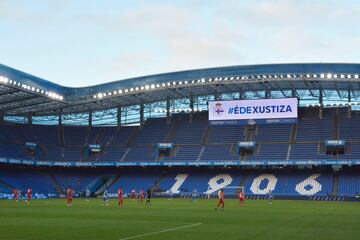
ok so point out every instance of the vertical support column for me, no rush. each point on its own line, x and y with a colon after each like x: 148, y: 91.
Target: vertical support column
x: 118, y: 117
x: 2, y: 118
x: 216, y: 96
x: 267, y: 93
x: 60, y: 117
x: 141, y: 114
x: 168, y: 110
x: 293, y: 95
x: 321, y: 102
x: 349, y: 101
x: 241, y: 94
x: 29, y: 117
x: 191, y: 106
x: 90, y: 118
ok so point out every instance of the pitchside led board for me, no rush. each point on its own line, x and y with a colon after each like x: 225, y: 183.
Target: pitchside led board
x: 253, y: 112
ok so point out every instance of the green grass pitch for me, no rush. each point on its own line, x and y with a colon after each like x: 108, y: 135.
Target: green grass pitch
x: 179, y: 219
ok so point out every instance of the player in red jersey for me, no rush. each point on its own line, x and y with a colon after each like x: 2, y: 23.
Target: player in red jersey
x: 69, y: 196
x: 16, y: 194
x: 120, y: 199
x: 141, y: 196
x: 133, y: 194
x: 221, y: 199
x: 241, y: 198
x: 28, y: 195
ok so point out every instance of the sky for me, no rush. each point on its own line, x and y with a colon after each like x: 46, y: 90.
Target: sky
x: 86, y: 42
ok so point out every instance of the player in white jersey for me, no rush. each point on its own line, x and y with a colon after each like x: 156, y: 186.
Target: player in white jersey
x: 87, y: 194
x: 105, y: 198
x: 270, y: 196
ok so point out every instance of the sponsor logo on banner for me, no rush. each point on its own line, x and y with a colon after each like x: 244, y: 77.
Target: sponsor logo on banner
x: 218, y: 108
x: 190, y: 163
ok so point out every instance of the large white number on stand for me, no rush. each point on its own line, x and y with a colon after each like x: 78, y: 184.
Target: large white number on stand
x: 218, y: 182
x: 180, y: 179
x: 255, y: 186
x: 310, y: 181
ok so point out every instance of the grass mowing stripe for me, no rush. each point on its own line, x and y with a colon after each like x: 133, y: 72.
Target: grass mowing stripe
x: 161, y: 231
x: 257, y: 220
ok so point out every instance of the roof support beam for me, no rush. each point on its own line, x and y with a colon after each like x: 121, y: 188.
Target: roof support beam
x: 277, y: 87
x: 24, y: 106
x: 17, y: 100
x: 8, y: 93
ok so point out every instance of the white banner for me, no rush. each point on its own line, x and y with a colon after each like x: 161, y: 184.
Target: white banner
x: 253, y: 109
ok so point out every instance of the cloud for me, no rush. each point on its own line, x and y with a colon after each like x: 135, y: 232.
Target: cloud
x: 139, y: 38
x: 186, y: 40
x: 127, y: 63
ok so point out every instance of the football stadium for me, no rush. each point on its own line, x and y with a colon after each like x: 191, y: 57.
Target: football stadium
x: 279, y: 144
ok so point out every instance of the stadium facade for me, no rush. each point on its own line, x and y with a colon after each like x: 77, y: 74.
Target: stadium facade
x: 127, y: 123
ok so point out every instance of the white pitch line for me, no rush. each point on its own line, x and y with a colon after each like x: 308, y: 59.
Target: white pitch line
x: 161, y: 231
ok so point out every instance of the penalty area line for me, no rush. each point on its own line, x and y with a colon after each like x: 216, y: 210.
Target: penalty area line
x: 161, y: 231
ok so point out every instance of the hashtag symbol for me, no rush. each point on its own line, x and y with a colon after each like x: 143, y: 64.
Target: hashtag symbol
x: 231, y: 110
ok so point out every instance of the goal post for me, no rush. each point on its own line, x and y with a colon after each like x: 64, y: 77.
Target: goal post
x: 233, y: 191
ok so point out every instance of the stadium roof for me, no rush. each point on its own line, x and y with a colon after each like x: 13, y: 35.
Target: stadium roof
x: 22, y: 94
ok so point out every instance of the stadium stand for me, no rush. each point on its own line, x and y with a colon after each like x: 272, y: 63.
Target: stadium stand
x: 194, y: 141
x: 254, y: 182
x: 180, y: 118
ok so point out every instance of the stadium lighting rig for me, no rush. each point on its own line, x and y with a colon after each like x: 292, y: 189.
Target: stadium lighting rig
x: 49, y: 94
x: 201, y: 81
